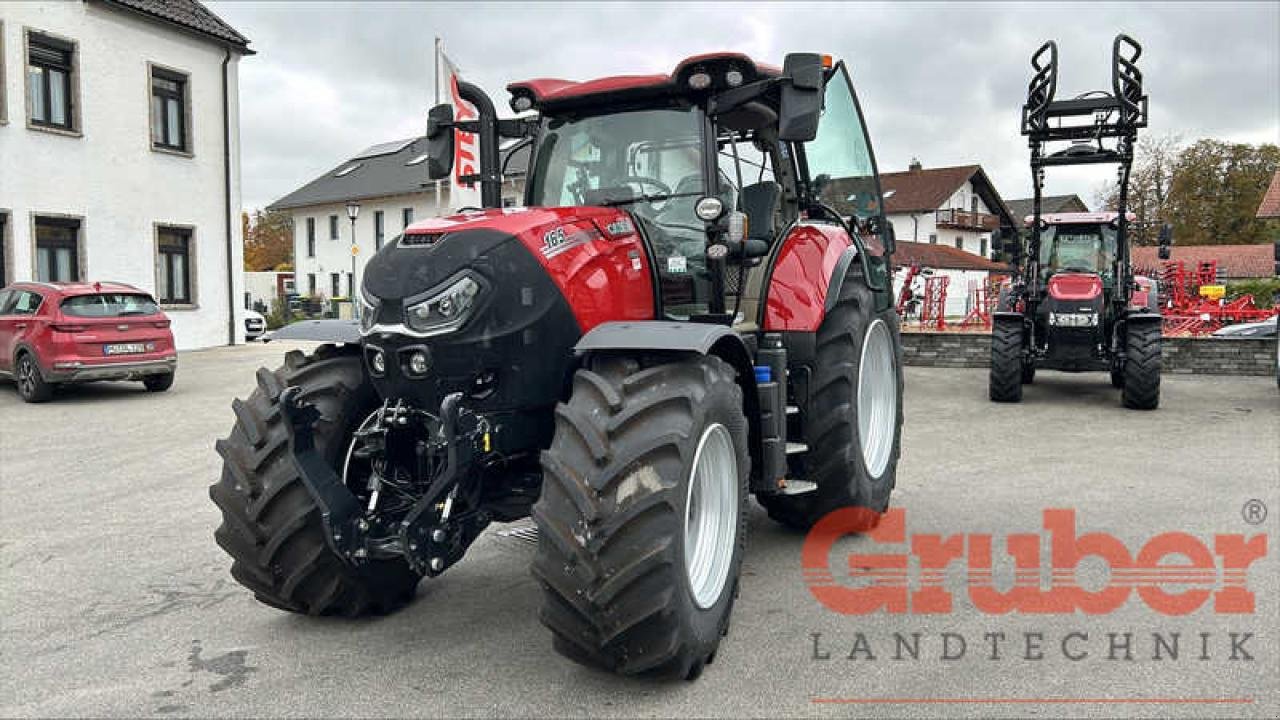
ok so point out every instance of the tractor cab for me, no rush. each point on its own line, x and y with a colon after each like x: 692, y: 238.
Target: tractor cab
x: 713, y: 164
x: 1078, y: 243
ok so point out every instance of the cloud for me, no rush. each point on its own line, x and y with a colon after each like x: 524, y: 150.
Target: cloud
x: 941, y: 82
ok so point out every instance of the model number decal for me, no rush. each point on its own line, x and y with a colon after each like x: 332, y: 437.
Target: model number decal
x: 557, y: 241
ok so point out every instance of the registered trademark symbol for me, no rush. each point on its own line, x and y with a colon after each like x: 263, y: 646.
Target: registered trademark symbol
x: 1254, y: 512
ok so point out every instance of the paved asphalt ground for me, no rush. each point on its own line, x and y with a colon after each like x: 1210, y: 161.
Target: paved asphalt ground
x: 115, y: 601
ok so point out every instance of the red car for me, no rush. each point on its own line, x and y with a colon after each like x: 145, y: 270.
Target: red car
x: 54, y: 333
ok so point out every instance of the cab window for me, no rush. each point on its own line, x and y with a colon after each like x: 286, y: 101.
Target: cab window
x: 839, y: 158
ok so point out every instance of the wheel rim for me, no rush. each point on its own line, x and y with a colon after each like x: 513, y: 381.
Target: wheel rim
x: 26, y: 377
x: 711, y: 516
x: 877, y: 398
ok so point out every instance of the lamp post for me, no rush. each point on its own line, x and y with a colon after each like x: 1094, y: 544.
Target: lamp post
x: 353, y: 209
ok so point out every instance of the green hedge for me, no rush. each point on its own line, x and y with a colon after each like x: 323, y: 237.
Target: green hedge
x: 1263, y: 290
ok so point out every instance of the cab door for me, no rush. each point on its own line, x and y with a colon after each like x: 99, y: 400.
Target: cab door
x: 841, y: 166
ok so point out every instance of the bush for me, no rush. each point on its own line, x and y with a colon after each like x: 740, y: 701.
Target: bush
x: 1263, y: 290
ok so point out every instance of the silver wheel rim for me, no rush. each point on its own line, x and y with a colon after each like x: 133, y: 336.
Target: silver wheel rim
x: 711, y: 516
x: 26, y: 377
x: 877, y: 398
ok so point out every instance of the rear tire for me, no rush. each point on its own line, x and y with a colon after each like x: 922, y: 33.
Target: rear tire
x: 158, y: 383
x: 837, y: 460
x: 620, y: 588
x: 1141, y: 389
x: 32, y: 387
x: 1004, y: 383
x: 271, y: 525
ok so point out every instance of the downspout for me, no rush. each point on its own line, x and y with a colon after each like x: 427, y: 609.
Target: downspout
x: 226, y: 167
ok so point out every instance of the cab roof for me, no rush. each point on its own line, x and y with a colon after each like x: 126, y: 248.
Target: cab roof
x: 1078, y: 218
x: 552, y: 92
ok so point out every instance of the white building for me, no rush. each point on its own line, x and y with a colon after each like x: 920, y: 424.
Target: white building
x: 120, y: 146
x: 266, y: 289
x: 389, y: 183
x: 953, y: 206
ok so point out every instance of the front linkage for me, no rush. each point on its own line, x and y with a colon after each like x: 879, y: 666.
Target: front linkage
x: 425, y: 464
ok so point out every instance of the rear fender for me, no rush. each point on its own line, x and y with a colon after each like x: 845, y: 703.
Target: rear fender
x: 657, y: 337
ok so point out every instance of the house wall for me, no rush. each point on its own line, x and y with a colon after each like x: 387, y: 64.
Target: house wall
x: 108, y: 175
x: 264, y: 287
x: 925, y: 224
x: 334, y: 255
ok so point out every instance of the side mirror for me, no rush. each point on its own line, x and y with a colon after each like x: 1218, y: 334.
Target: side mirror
x: 440, y: 142
x: 890, y: 237
x: 800, y: 104
x: 1166, y: 239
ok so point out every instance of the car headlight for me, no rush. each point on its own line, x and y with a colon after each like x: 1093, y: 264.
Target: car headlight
x: 445, y: 311
x: 368, y: 310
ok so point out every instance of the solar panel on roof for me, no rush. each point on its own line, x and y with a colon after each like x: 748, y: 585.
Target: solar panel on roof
x: 386, y: 148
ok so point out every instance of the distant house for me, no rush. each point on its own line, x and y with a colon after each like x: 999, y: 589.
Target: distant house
x: 953, y: 206
x: 1023, y: 207
x: 1235, y: 262
x: 389, y: 182
x: 966, y: 271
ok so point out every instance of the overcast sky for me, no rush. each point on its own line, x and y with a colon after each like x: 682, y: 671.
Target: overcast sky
x: 943, y: 83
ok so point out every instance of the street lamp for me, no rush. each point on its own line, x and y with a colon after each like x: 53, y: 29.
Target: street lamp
x: 353, y: 209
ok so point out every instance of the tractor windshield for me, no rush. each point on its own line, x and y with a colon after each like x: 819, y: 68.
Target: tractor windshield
x: 1077, y: 248
x: 649, y: 162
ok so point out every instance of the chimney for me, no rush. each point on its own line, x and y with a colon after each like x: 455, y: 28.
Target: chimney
x: 915, y: 165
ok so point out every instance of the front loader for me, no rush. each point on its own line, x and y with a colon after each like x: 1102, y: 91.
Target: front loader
x: 693, y: 307
x: 1075, y: 304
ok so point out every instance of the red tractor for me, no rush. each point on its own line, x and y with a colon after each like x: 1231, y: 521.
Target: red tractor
x: 694, y: 306
x: 1076, y: 304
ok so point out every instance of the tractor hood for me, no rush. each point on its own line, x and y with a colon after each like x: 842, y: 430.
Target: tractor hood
x: 433, y: 250
x: 1075, y: 286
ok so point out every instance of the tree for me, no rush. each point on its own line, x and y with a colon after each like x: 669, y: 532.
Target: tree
x: 1149, y: 184
x: 1216, y: 190
x: 1208, y: 191
x: 268, y: 240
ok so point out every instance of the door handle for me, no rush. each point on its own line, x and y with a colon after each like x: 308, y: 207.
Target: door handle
x: 21, y: 326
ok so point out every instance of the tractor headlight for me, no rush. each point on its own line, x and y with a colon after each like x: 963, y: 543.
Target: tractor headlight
x: 446, y: 310
x: 368, y: 310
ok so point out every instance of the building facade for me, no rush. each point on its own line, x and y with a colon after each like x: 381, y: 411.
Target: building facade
x: 954, y: 206
x: 119, y: 138
x: 389, y: 184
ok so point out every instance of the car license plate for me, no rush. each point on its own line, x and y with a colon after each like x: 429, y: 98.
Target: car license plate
x: 124, y: 349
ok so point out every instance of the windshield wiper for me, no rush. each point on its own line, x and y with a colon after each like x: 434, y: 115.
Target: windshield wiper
x: 132, y: 312
x: 646, y: 198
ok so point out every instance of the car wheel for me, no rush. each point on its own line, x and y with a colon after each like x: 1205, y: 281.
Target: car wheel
x: 158, y: 383
x: 32, y: 387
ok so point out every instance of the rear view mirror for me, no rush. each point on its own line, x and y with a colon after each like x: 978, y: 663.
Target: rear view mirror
x: 801, y: 100
x: 440, y: 142
x: 1166, y: 239
x: 890, y: 239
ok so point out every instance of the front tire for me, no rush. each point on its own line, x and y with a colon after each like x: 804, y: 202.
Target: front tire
x: 1141, y: 389
x: 1004, y: 383
x: 853, y: 420
x: 271, y: 525
x: 641, y: 520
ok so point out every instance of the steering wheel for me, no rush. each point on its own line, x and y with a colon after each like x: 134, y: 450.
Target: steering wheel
x: 642, y: 181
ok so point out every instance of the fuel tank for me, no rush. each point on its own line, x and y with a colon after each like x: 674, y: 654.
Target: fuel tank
x: 532, y: 282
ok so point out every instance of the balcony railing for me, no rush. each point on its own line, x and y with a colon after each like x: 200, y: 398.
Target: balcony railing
x: 966, y: 220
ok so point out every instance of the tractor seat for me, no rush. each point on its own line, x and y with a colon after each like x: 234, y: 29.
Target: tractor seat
x: 761, y: 202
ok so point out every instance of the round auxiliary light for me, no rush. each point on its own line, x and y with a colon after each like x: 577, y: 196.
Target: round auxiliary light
x: 700, y: 81
x: 733, y: 78
x: 520, y: 103
x: 418, y: 363
x: 379, y: 362
x: 708, y: 208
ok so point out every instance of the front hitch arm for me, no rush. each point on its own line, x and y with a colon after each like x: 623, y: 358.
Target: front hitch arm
x: 340, y: 511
